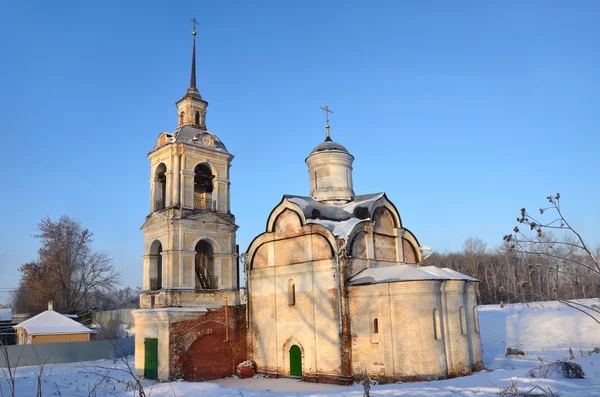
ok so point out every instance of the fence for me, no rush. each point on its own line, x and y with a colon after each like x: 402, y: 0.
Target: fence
x: 122, y: 316
x: 69, y: 352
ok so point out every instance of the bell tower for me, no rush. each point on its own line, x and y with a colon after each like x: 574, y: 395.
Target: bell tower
x: 190, y: 271
x: 190, y: 253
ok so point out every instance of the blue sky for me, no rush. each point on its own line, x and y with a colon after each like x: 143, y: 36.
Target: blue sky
x: 462, y: 112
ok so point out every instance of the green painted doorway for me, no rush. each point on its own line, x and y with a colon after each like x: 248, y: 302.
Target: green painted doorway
x: 295, y: 361
x: 151, y: 358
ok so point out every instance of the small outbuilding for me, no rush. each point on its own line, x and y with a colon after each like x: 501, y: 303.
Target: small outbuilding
x: 51, y: 327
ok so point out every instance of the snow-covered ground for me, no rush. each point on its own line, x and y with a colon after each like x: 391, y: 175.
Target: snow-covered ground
x: 542, y: 330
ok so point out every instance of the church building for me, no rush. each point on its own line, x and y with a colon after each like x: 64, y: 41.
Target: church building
x: 337, y: 287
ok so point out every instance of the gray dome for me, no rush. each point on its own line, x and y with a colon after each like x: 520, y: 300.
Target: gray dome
x: 329, y: 145
x: 195, y: 136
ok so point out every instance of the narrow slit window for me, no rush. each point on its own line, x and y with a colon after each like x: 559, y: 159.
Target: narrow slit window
x: 316, y: 182
x: 476, y: 319
x: 463, y: 322
x: 437, y: 329
x: 291, y: 293
x: 375, y: 326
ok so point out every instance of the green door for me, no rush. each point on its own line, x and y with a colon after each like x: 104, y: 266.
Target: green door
x: 295, y: 361
x: 151, y: 362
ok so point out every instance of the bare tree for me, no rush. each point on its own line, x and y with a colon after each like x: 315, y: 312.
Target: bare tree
x: 67, y: 272
x: 557, y: 254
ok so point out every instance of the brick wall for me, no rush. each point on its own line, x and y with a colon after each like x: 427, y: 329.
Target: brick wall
x: 201, y: 350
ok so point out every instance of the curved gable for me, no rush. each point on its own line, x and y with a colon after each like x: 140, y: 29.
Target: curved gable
x: 287, y: 233
x: 284, y: 205
x: 411, y: 247
x: 385, y: 203
x: 383, y: 221
x: 287, y: 223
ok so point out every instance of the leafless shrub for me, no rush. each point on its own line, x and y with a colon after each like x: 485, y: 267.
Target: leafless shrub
x: 366, y: 383
x: 562, y: 369
x: 9, y: 371
x: 512, y: 390
x: 134, y: 384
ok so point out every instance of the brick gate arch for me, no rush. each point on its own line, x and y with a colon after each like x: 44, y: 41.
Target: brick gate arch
x: 209, y: 357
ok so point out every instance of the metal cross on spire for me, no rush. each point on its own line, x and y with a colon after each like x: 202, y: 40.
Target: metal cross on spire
x: 327, y: 111
x: 195, y: 23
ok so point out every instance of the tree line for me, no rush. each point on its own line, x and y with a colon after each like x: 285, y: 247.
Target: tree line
x: 508, y: 275
x: 543, y: 258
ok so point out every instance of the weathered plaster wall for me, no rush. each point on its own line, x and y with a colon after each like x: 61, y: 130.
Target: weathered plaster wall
x: 458, y: 338
x: 294, y: 257
x: 405, y: 346
x: 311, y: 322
x: 152, y: 324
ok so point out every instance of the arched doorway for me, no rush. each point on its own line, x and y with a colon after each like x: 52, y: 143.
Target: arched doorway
x: 209, y: 357
x: 205, y: 266
x: 295, y: 361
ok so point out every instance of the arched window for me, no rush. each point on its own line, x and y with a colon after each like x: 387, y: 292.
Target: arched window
x: 197, y: 118
x: 437, y: 327
x: 160, y: 187
x: 205, y: 266
x: 463, y: 321
x: 203, y: 188
x: 181, y: 118
x: 291, y: 293
x: 155, y: 268
x: 375, y: 326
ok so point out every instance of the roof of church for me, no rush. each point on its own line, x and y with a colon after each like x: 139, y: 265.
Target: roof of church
x: 339, y: 219
x: 51, y: 322
x: 390, y: 274
x: 360, y: 207
x: 329, y: 145
x: 191, y: 135
x: 447, y: 273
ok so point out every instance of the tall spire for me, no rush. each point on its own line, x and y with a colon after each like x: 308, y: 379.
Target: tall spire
x: 193, y: 91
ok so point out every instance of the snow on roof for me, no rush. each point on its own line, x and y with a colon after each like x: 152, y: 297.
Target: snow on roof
x: 51, y: 322
x: 339, y: 219
x: 341, y: 228
x: 5, y: 314
x: 447, y: 273
x: 390, y: 274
